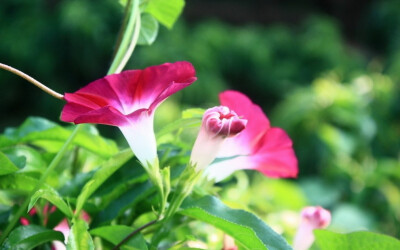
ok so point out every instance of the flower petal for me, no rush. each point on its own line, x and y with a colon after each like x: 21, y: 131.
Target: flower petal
x: 275, y: 157
x: 141, y: 138
x: 225, y: 167
x: 106, y: 115
x: 127, y: 92
x: 159, y: 82
x: 257, y: 124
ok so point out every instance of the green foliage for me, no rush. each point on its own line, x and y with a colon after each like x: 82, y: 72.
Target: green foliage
x: 31, y: 236
x: 165, y: 11
x: 117, y: 233
x: 327, y: 240
x: 79, y: 238
x: 245, y: 227
x: 345, y: 137
x: 7, y: 166
x: 105, y: 171
x: 53, y: 197
x: 148, y: 30
x: 18, y: 182
x: 50, y: 136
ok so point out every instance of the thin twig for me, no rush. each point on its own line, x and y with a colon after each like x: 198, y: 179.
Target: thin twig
x: 133, y: 234
x: 33, y: 81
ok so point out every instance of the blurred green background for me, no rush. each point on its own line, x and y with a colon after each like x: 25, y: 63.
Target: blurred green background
x: 326, y: 71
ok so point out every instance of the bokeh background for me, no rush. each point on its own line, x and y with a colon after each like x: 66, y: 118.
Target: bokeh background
x: 327, y: 71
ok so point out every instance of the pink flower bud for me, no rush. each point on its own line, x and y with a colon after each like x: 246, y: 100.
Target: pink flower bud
x: 311, y: 218
x: 218, y: 123
x: 221, y: 121
x: 318, y: 217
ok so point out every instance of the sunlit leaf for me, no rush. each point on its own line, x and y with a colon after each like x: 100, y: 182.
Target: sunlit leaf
x: 117, y: 233
x: 79, y: 237
x: 148, y: 30
x: 104, y: 172
x: 53, y: 197
x: 18, y: 182
x: 361, y: 240
x: 128, y: 199
x: 193, y: 113
x: 26, y: 158
x: 165, y: 11
x: 6, y: 165
x: 51, y: 136
x: 190, y: 118
x: 28, y: 237
x: 243, y: 226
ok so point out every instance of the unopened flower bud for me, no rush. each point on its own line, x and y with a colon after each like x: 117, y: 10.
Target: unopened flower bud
x: 221, y: 121
x: 311, y: 218
x: 318, y: 217
x: 218, y: 123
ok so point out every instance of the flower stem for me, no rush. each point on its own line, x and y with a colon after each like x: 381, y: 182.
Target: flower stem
x: 33, y: 81
x: 129, y: 38
x: 133, y: 234
x: 56, y: 160
x: 185, y: 185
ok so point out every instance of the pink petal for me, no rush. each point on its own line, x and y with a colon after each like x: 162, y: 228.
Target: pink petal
x: 109, y: 99
x: 106, y: 115
x: 275, y: 156
x: 257, y: 123
x: 159, y: 82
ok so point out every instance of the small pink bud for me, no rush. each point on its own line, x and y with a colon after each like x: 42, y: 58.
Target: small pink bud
x: 32, y: 211
x: 318, y: 217
x: 311, y: 218
x: 24, y: 221
x: 218, y: 123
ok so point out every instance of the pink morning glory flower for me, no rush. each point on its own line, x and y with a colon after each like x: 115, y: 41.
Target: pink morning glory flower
x: 311, y: 218
x: 260, y: 147
x: 218, y: 124
x: 128, y: 100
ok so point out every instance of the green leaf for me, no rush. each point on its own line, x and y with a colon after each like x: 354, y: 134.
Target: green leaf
x: 165, y: 11
x: 28, y: 237
x: 104, y: 172
x: 51, y: 136
x: 116, y: 233
x: 245, y: 227
x: 52, y: 196
x: 79, y: 237
x: 193, y: 113
x: 17, y: 182
x: 6, y: 165
x: 26, y: 158
x: 132, y: 196
x: 360, y: 240
x: 148, y: 30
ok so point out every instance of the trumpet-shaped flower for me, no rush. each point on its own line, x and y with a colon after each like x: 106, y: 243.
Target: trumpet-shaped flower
x: 218, y: 123
x: 128, y: 100
x: 311, y: 218
x: 259, y: 147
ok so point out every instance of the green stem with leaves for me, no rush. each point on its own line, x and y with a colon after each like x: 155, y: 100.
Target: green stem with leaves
x: 130, y: 34
x: 56, y: 160
x: 184, y: 187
